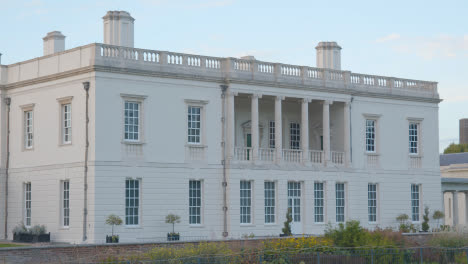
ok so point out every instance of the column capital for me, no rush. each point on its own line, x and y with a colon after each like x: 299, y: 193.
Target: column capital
x: 327, y: 102
x: 256, y: 95
x: 306, y: 100
x: 232, y: 93
x: 279, y: 98
x: 347, y: 103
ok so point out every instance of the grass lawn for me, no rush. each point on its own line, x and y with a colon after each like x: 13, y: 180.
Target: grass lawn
x: 10, y: 245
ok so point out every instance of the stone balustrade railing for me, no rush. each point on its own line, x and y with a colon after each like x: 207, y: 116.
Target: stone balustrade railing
x: 213, y: 67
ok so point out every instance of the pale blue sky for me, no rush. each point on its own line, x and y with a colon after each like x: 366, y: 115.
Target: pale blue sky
x: 426, y: 40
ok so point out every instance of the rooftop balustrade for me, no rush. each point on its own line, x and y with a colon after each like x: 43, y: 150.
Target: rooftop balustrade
x: 197, y: 66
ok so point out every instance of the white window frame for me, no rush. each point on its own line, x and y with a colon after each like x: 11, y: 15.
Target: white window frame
x: 27, y: 204
x: 194, y: 129
x: 246, y: 213
x: 270, y: 202
x: 371, y: 140
x: 319, y: 202
x: 416, y: 203
x: 202, y: 104
x: 294, y: 190
x: 271, y: 134
x: 28, y: 128
x: 65, y: 203
x: 138, y: 99
x: 136, y: 203
x: 414, y: 138
x: 340, y: 197
x: 295, y: 135
x: 66, y: 121
x: 195, y: 202
x: 372, y: 203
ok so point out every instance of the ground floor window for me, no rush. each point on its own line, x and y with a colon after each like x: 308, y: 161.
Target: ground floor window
x: 415, y: 202
x: 318, y: 202
x: 195, y: 193
x: 132, y: 202
x: 340, y: 202
x: 27, y: 204
x: 372, y: 202
x: 269, y: 202
x: 245, y: 202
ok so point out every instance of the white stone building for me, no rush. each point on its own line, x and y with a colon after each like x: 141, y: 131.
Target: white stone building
x: 226, y: 143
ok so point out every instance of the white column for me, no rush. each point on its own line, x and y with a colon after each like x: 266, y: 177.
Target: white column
x: 278, y: 129
x: 326, y: 132
x: 455, y: 208
x: 254, y: 127
x: 305, y: 130
x: 347, y: 138
x: 231, y: 131
x: 461, y: 200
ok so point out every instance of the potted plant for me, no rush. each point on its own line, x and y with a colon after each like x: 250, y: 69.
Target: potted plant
x: 173, y: 219
x: 437, y: 216
x: 113, y: 220
x: 287, y: 224
x: 37, y: 233
x: 403, y: 219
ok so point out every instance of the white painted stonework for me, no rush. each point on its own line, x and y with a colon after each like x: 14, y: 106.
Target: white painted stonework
x: 327, y: 108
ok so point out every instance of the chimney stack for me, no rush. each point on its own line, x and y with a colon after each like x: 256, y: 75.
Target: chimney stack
x: 118, y: 28
x: 328, y: 55
x: 53, y: 42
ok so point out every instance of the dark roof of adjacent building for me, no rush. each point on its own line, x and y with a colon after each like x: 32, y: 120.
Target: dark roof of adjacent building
x: 453, y: 158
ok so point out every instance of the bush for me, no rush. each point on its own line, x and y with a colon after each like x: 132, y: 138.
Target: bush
x: 188, y: 253
x: 449, y: 240
x: 38, y: 230
x: 297, y: 244
x: 287, y: 224
x: 425, y: 224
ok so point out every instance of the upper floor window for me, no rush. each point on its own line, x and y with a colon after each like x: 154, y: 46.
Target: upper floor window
x: 271, y: 134
x: 295, y: 135
x: 194, y: 124
x: 66, y: 123
x: 414, y: 138
x: 132, y: 121
x: 370, y: 135
x: 28, y: 129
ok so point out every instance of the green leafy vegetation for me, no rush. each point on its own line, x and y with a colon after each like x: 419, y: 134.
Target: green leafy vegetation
x: 456, y: 148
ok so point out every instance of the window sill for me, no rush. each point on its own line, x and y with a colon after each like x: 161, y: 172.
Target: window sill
x: 133, y: 142
x: 65, y: 144
x: 372, y: 153
x: 28, y: 149
x: 64, y: 228
x: 196, y: 226
x: 188, y: 145
x: 270, y: 224
x: 373, y: 223
x: 247, y: 225
x: 320, y: 223
x: 133, y: 227
x: 415, y: 155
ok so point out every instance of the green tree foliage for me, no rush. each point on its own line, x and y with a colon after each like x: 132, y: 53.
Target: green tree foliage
x: 172, y: 219
x: 456, y: 148
x: 437, y: 216
x: 425, y: 224
x: 113, y: 220
x: 287, y: 224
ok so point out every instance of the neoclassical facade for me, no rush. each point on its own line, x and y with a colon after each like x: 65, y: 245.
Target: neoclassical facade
x: 228, y: 144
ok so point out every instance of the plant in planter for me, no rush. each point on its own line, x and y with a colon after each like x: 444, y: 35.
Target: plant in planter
x: 437, y: 216
x: 403, y: 219
x: 113, y: 220
x: 37, y: 233
x: 287, y: 224
x: 425, y: 224
x: 173, y: 219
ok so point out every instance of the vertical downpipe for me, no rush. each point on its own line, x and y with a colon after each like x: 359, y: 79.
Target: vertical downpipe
x: 223, y: 144
x: 85, y: 180
x: 7, y: 166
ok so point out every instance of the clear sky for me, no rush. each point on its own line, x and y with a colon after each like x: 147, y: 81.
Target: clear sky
x: 425, y: 40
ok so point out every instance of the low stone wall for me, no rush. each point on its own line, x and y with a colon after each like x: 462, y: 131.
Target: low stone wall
x: 93, y: 253
x: 419, y: 239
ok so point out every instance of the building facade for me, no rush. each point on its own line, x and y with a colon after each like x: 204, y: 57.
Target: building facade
x: 454, y: 172
x: 463, y: 126
x: 228, y: 144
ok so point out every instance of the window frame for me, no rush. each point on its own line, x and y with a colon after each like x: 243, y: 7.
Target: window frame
x: 140, y: 99
x: 270, y: 202
x: 202, y: 104
x: 271, y: 134
x: 200, y: 206
x: 65, y: 204
x: 26, y: 109
x: 319, y: 217
x: 413, y: 206
x: 297, y: 135
x: 62, y: 102
x: 418, y: 124
x: 245, y: 217
x: 374, y: 139
x: 344, y: 203
x: 27, y: 206
x: 376, y: 203
x: 138, y: 215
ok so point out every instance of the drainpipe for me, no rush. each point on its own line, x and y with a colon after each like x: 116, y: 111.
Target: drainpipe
x: 7, y: 166
x: 85, y: 186
x: 223, y: 144
x: 351, y: 131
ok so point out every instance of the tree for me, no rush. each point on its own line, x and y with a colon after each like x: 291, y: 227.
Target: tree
x: 172, y: 219
x: 437, y: 216
x: 287, y: 224
x: 456, y: 148
x: 425, y: 224
x: 113, y: 220
x: 403, y: 219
